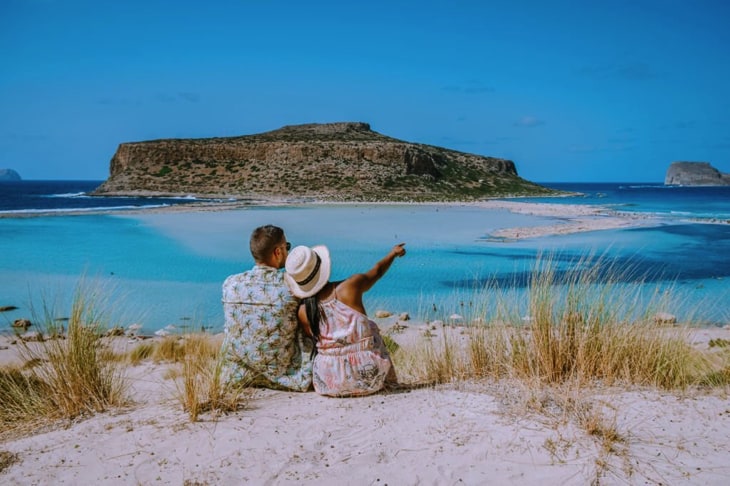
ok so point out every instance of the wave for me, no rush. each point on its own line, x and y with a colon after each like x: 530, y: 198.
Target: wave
x: 85, y: 195
x: 79, y: 210
x: 646, y: 186
x: 710, y: 216
x: 670, y: 214
x: 69, y: 195
x: 697, y: 216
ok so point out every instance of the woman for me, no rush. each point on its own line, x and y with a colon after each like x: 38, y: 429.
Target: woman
x: 351, y: 356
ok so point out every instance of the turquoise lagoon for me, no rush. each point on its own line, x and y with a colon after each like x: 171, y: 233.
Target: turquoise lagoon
x: 167, y: 267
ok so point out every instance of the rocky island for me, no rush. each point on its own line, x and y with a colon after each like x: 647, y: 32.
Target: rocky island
x: 9, y: 175
x: 695, y: 174
x: 332, y: 161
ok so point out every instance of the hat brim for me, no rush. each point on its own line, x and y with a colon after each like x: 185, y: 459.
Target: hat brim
x: 311, y: 288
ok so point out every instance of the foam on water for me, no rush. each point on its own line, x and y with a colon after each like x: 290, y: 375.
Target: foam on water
x: 33, y: 197
x: 702, y: 203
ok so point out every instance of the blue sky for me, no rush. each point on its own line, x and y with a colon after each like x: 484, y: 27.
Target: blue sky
x: 570, y: 91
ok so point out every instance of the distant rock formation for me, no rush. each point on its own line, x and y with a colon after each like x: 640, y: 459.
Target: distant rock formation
x: 695, y: 174
x: 9, y: 175
x: 331, y: 161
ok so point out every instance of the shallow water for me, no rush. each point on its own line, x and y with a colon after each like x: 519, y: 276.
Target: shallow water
x: 167, y: 268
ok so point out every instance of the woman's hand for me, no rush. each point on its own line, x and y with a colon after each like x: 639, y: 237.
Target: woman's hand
x: 399, y: 250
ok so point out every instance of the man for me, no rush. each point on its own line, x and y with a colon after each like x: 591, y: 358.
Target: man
x: 263, y: 344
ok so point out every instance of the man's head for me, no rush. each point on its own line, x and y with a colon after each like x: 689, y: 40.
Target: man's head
x: 269, y: 246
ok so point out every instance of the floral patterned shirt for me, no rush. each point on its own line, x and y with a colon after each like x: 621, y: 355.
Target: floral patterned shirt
x: 263, y: 343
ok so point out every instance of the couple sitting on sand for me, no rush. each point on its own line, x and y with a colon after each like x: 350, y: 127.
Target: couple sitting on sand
x: 271, y: 319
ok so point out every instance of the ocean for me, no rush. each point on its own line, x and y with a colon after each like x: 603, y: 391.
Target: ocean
x: 166, y: 268
x: 706, y: 204
x: 33, y: 197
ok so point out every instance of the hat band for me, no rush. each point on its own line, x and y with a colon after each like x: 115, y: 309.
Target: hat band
x: 314, y: 272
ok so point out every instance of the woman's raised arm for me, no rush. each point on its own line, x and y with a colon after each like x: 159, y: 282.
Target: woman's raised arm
x: 364, y: 281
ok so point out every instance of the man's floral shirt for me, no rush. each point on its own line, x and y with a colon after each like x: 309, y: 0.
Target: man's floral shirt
x: 263, y: 343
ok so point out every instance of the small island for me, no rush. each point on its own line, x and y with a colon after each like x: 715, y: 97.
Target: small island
x: 9, y: 175
x: 695, y: 174
x: 344, y: 161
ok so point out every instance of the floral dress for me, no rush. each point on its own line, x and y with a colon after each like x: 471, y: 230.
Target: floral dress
x: 351, y: 358
x: 263, y: 344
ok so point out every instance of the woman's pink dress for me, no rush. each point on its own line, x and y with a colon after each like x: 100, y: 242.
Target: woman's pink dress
x: 351, y: 356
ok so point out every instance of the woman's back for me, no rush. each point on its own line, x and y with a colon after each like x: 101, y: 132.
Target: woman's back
x: 352, y: 358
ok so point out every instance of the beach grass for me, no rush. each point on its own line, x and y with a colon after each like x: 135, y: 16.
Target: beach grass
x: 197, y: 372
x: 23, y: 399
x: 7, y: 459
x: 201, y: 386
x: 170, y: 348
x: 140, y: 353
x: 582, y: 326
x: 67, y: 372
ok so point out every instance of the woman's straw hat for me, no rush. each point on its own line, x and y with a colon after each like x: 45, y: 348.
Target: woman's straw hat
x: 307, y: 270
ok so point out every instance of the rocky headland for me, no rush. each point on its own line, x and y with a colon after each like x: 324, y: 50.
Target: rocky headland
x: 332, y: 161
x: 695, y: 174
x: 9, y: 175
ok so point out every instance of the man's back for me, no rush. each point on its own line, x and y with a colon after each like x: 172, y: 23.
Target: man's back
x: 263, y: 342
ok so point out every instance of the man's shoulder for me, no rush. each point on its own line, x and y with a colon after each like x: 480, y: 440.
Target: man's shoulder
x: 237, y: 277
x: 257, y: 275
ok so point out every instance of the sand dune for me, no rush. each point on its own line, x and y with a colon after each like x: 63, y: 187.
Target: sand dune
x: 467, y: 433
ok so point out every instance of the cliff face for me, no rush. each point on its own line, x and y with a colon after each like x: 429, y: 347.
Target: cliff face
x: 333, y: 161
x: 9, y: 175
x: 695, y: 174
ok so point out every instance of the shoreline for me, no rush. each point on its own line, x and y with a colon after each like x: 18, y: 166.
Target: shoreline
x: 570, y: 218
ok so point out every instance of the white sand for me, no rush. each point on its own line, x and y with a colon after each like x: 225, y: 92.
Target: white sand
x: 557, y: 219
x: 463, y: 434
x: 568, y: 219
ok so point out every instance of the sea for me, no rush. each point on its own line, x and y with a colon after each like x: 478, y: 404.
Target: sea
x: 135, y: 263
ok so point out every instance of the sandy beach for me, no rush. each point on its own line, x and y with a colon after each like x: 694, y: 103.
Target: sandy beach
x: 465, y: 433
x: 568, y: 219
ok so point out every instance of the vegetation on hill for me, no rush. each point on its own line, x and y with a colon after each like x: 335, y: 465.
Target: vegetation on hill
x: 334, y: 161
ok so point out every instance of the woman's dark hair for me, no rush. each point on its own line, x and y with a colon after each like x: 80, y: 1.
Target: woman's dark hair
x: 311, y: 307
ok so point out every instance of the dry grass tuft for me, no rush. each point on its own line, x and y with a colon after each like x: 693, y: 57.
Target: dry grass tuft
x: 170, y: 348
x: 66, y: 375
x: 717, y: 378
x: 201, y: 386
x: 22, y: 396
x: 582, y: 326
x: 390, y: 344
x: 140, y: 353
x: 198, y: 378
x: 7, y: 459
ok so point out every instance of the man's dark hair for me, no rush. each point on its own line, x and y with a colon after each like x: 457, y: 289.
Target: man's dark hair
x: 263, y: 241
